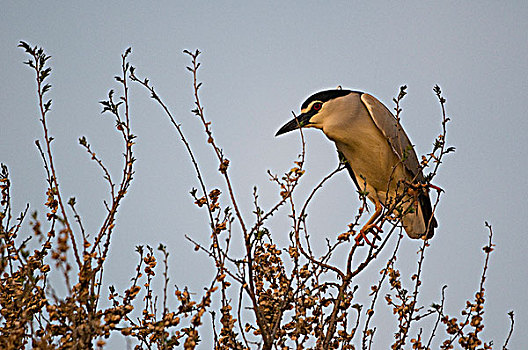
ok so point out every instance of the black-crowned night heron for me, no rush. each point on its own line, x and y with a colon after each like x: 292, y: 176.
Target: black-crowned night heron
x: 378, y: 155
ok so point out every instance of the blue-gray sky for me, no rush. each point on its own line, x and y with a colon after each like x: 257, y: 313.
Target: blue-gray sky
x: 260, y: 61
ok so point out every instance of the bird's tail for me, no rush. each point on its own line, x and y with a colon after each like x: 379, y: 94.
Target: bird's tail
x: 420, y: 223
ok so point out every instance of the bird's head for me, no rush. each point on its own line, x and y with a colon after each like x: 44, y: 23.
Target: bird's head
x: 316, y: 110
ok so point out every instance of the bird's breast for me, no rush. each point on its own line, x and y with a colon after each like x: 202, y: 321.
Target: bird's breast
x: 372, y: 160
x: 364, y: 146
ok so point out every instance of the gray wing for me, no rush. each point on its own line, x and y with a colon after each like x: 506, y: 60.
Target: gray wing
x: 349, y: 168
x: 394, y: 133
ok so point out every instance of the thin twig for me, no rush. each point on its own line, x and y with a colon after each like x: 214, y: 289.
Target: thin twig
x: 512, y: 322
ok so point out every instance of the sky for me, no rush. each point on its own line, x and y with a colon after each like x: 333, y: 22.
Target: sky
x: 260, y: 61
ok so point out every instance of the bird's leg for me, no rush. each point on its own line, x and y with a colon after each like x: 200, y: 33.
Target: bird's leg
x: 414, y: 190
x: 369, y: 226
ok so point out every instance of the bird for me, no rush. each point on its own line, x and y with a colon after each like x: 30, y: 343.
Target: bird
x: 377, y: 153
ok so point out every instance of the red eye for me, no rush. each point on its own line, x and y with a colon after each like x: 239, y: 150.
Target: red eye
x: 317, y: 106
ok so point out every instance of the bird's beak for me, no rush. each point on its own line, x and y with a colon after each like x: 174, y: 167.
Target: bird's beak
x: 298, y: 122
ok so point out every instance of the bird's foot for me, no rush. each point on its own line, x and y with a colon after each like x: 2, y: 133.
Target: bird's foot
x: 427, y: 186
x: 438, y: 189
x: 363, y: 234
